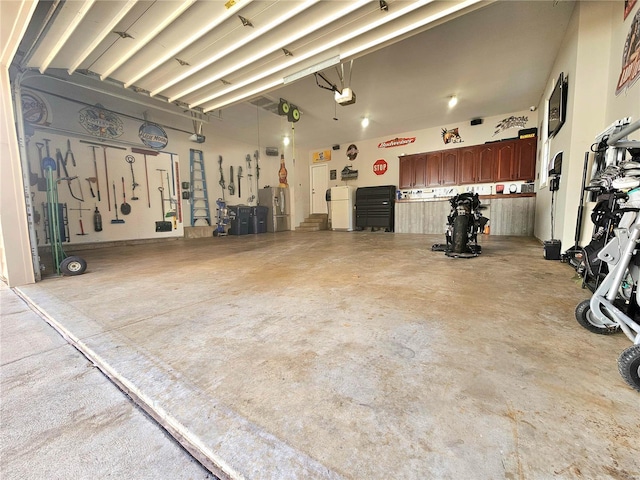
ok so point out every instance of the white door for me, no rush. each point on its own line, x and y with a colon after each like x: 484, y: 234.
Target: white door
x: 319, y: 185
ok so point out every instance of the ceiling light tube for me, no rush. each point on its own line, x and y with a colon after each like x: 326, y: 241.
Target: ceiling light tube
x: 285, y: 41
x: 83, y: 9
x: 100, y: 36
x: 312, y: 69
x: 401, y: 31
x: 150, y: 36
x: 232, y: 48
x: 385, y: 19
x: 173, y: 52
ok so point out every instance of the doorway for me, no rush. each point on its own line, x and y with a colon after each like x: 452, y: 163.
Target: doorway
x: 319, y: 186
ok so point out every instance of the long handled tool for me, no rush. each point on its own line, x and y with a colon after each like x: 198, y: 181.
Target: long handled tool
x: 80, y: 209
x: 106, y: 171
x: 42, y: 181
x: 95, y: 168
x: 146, y: 170
x: 130, y: 159
x: 116, y: 220
x: 239, y: 177
x: 221, y: 182
x: 91, y: 180
x: 125, y: 208
x: 63, y: 162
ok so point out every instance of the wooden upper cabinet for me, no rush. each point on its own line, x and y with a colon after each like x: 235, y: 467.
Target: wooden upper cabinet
x: 412, y: 170
x: 503, y: 161
x: 484, y: 163
x: 487, y: 163
x: 433, y: 161
x: 420, y: 170
x: 525, y: 168
x: 406, y: 171
x: 467, y: 159
x: 449, y: 164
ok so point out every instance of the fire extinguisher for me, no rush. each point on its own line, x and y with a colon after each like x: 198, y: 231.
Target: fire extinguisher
x: 97, y: 220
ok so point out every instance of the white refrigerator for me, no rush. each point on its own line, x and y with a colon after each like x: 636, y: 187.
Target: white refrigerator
x: 343, y: 208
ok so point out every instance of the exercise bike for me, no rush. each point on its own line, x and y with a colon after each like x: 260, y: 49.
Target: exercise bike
x: 615, y: 304
x: 463, y: 225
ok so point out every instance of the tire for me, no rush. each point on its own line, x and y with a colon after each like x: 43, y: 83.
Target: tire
x: 629, y: 366
x: 587, y: 320
x: 73, y: 266
x: 460, y: 237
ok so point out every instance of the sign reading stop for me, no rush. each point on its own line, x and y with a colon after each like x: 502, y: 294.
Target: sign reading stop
x: 380, y: 166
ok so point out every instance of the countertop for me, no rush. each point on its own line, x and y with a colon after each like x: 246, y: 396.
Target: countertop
x: 496, y: 196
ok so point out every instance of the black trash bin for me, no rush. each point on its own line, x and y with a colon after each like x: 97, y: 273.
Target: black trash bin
x: 239, y: 219
x: 258, y: 219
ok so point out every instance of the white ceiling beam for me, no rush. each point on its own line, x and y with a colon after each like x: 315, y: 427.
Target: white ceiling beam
x: 83, y: 9
x: 235, y: 46
x: 97, y: 39
x: 317, y: 51
x: 191, y: 39
x: 169, y: 19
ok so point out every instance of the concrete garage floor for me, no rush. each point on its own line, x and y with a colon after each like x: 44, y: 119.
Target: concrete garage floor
x: 358, y: 355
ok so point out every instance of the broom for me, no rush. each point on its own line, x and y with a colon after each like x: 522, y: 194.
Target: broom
x: 115, y: 220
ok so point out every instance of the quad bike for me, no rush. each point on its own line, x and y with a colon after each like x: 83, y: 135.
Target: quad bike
x: 463, y: 225
x: 615, y: 304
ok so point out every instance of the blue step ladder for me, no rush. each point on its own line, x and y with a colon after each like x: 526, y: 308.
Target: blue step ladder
x: 198, y: 189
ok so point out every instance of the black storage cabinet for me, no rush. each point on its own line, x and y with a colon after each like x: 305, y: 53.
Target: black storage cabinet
x: 375, y: 207
x: 239, y: 219
x: 258, y: 219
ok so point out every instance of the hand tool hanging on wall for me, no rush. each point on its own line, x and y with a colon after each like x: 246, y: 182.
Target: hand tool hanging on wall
x: 91, y: 180
x: 80, y: 209
x: 221, y: 182
x: 47, y: 160
x: 232, y: 186
x: 62, y: 163
x: 106, y: 172
x: 115, y: 204
x: 252, y: 197
x: 178, y: 196
x: 163, y: 225
x: 146, y: 170
x: 42, y: 181
x: 125, y: 208
x: 239, y: 177
x: 172, y: 211
x: 131, y: 160
x: 95, y: 168
x: 69, y: 154
x: 256, y: 155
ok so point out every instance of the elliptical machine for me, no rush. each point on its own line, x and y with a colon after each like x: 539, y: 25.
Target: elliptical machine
x: 463, y: 225
x: 615, y: 304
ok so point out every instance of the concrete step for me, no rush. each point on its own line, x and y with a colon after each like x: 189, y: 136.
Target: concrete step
x: 309, y: 228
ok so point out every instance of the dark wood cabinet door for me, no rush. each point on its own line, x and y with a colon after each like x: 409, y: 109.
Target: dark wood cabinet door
x: 433, y: 161
x: 449, y: 167
x: 406, y: 171
x: 467, y: 165
x: 420, y: 170
x: 484, y: 164
x: 526, y: 159
x: 503, y: 161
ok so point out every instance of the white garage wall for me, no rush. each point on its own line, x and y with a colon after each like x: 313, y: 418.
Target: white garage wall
x: 591, y: 56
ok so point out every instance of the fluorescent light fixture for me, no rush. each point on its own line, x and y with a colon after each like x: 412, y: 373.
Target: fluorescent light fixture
x: 150, y: 36
x: 83, y: 9
x: 401, y: 31
x: 103, y: 33
x: 364, y: 122
x: 174, y: 51
x: 283, y: 42
x: 233, y: 47
x: 330, y: 62
x: 453, y: 101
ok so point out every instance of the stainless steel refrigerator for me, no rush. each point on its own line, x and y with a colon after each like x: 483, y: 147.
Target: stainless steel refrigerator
x: 276, y: 199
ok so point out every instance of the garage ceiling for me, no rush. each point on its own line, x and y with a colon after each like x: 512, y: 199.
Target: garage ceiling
x: 225, y: 58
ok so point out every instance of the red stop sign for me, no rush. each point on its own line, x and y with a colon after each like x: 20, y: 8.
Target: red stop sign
x: 380, y: 166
